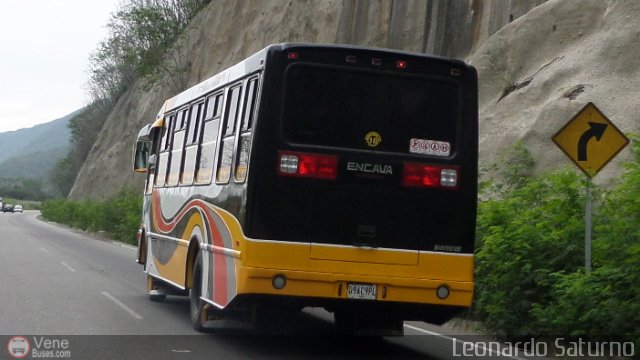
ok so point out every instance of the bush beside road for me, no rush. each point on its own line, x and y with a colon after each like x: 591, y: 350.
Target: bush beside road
x: 118, y: 217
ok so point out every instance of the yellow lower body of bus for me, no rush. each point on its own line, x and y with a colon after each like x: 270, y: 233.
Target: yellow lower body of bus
x: 324, y: 271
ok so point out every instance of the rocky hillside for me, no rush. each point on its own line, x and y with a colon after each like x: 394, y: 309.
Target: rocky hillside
x: 539, y: 70
x: 538, y: 62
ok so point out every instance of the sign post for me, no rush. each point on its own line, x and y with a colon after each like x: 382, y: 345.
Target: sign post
x: 590, y: 140
x: 587, y: 229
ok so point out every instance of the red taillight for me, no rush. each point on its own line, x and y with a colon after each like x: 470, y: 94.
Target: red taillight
x: 401, y: 64
x: 431, y: 176
x: 317, y: 166
x: 292, y: 56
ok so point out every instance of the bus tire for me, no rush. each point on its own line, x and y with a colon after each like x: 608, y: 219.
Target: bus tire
x: 197, y: 306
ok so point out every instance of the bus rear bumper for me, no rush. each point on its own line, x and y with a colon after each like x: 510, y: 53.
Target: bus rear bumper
x: 334, y: 286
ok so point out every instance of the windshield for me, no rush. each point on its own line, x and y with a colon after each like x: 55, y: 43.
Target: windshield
x: 332, y: 107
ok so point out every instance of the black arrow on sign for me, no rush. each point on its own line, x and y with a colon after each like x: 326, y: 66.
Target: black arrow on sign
x: 596, y: 130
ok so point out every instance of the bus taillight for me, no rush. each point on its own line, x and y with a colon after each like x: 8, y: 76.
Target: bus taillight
x: 431, y: 176
x: 317, y: 166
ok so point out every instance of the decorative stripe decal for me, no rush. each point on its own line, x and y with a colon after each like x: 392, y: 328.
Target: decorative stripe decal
x: 219, y: 258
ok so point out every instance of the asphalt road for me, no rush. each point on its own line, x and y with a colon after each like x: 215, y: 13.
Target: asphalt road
x: 87, y: 297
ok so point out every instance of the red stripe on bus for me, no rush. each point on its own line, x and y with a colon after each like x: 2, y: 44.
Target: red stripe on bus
x: 220, y: 295
x: 220, y: 262
x: 162, y: 225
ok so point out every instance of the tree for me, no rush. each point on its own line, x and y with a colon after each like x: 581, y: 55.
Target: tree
x: 140, y: 34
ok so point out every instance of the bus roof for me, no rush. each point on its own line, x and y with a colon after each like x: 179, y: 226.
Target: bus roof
x: 249, y: 65
x: 256, y: 62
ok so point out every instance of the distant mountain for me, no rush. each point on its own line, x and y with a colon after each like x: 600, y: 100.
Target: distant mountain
x: 32, y: 152
x: 33, y: 165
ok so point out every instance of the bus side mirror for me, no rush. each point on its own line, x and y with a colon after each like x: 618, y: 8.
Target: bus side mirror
x: 141, y: 157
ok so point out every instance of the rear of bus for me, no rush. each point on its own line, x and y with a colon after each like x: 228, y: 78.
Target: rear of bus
x: 363, y: 182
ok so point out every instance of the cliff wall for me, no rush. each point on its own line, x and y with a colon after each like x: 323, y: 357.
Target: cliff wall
x: 537, y: 72
x: 229, y: 30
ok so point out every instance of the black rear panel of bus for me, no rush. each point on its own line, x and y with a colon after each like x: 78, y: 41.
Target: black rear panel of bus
x: 377, y: 117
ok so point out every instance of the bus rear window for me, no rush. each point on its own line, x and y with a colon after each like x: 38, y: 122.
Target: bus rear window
x: 341, y: 108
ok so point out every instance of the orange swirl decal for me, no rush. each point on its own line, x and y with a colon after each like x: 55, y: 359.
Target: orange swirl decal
x: 218, y: 236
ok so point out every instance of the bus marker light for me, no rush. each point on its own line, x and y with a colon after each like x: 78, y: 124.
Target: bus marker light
x: 279, y: 281
x: 376, y: 62
x: 292, y: 56
x: 421, y: 175
x: 401, y: 64
x: 442, y: 292
x: 351, y: 59
x: 317, y: 166
x: 430, y: 176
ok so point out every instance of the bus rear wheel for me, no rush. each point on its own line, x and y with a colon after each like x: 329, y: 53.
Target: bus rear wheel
x: 197, y: 306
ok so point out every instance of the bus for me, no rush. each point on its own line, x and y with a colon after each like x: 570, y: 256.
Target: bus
x: 327, y: 176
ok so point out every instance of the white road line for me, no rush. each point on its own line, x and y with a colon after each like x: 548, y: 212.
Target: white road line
x: 427, y: 332
x: 475, y: 345
x: 123, y: 306
x: 68, y: 267
x: 45, y: 250
x: 126, y: 246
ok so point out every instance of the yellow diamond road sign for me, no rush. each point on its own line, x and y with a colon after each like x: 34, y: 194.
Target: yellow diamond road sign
x: 590, y: 140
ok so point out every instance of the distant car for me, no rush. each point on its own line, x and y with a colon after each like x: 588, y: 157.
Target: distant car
x: 7, y: 208
x: 17, y: 208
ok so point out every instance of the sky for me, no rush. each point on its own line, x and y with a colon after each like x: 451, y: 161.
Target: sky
x: 44, y: 57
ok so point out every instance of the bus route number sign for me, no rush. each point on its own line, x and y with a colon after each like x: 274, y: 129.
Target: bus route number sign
x: 361, y: 291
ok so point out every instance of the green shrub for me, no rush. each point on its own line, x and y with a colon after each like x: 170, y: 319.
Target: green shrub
x: 605, y: 303
x: 530, y: 278
x: 119, y: 216
x: 527, y: 237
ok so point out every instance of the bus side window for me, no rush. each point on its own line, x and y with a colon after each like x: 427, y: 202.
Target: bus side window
x: 157, y: 137
x: 163, y: 157
x: 242, y: 155
x: 175, y: 160
x: 208, y: 138
x: 191, y: 148
x: 223, y: 173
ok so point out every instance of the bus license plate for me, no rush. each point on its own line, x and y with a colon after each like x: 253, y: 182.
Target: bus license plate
x: 361, y: 291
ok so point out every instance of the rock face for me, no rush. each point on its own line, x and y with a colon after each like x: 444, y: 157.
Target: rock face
x: 539, y: 70
x: 552, y: 58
